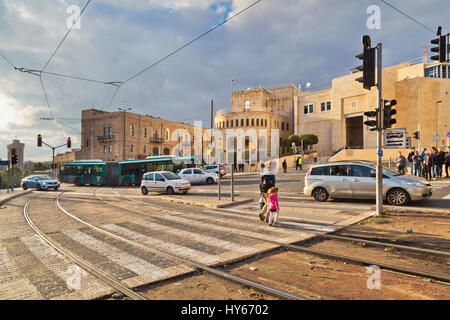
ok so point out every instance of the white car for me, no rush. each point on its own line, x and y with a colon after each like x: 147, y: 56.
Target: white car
x: 196, y: 175
x: 214, y: 168
x: 164, y: 181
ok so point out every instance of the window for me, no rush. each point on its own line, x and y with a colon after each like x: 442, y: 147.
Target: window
x: 166, y: 151
x: 339, y: 170
x: 305, y: 110
x: 223, y: 124
x: 197, y: 171
x: 131, y: 148
x: 322, y: 106
x: 145, y: 149
x: 265, y: 122
x: 149, y: 176
x: 155, y: 151
x: 287, y: 126
x: 433, y: 72
x: 159, y: 177
x: 110, y: 131
x: 328, y: 105
x: 189, y: 171
x: 247, y: 105
x: 320, y: 171
x: 311, y: 108
x: 282, y: 126
x: 362, y: 171
x: 247, y: 122
x: 242, y: 122
x: 132, y: 130
x: 231, y: 123
x: 145, y: 132
x: 104, y: 149
x: 237, y: 123
x: 110, y: 148
x: 87, y: 143
x: 257, y: 122
x: 253, y: 122
x: 105, y: 131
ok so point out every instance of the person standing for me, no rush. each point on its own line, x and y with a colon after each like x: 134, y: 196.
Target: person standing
x: 410, y: 160
x: 284, y: 166
x: 440, y: 160
x: 417, y: 159
x: 400, y: 161
x: 296, y: 163
x: 447, y: 161
x: 267, y: 181
x: 427, y: 164
x: 274, y: 207
x: 300, y: 163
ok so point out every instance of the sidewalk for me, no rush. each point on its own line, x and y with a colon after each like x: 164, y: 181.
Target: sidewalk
x: 210, y: 200
x: 5, y: 196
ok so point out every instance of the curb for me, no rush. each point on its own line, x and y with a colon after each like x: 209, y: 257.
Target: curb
x: 14, y: 196
x: 212, y: 206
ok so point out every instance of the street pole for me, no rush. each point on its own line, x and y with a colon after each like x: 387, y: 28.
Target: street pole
x: 210, y: 136
x: 379, y: 171
x: 218, y: 182
x: 232, y: 183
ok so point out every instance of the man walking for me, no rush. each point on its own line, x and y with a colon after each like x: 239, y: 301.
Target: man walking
x: 400, y: 161
x: 440, y: 160
x: 447, y: 161
x: 410, y: 160
x: 284, y: 166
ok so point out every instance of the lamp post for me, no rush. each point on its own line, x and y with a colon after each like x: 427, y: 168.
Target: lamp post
x: 124, y: 129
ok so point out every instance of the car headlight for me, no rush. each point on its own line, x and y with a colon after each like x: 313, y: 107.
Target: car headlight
x: 415, y: 184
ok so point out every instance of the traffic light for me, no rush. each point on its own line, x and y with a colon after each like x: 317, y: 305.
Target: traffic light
x: 368, y: 66
x: 372, y: 123
x: 69, y: 143
x: 39, y: 141
x: 13, y: 156
x: 440, y: 49
x: 416, y: 135
x: 388, y: 112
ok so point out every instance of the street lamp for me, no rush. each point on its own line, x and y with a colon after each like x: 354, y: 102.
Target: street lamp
x: 124, y: 129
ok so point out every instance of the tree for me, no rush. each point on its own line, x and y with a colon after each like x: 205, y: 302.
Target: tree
x: 40, y: 167
x: 309, y: 139
x: 294, y: 138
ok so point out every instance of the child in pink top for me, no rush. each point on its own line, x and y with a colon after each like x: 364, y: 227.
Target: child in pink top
x: 274, y: 208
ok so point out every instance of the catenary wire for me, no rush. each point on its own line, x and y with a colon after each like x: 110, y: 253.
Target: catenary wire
x: 7, y: 60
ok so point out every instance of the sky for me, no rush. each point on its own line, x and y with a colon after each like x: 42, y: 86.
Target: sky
x: 275, y: 42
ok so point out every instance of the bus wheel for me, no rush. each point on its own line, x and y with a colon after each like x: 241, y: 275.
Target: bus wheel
x: 77, y: 182
x: 127, y: 181
x: 144, y: 191
x: 169, y: 190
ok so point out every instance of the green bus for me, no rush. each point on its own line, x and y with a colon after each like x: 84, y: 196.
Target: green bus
x: 118, y: 173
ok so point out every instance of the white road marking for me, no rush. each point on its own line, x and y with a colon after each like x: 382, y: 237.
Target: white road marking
x: 197, y: 237
x: 12, y: 285
x: 163, y: 245
x: 135, y: 264
x: 446, y: 197
x: 89, y: 286
x: 441, y: 222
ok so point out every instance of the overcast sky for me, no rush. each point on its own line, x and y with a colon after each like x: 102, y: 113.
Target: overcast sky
x: 275, y: 42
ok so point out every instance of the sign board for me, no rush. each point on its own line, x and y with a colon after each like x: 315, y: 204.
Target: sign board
x: 395, y: 138
x: 437, y: 138
x: 4, y: 163
x: 380, y: 153
x: 447, y: 134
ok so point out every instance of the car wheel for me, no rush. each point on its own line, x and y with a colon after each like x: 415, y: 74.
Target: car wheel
x: 24, y: 187
x: 77, y: 182
x: 55, y: 189
x: 38, y: 187
x: 320, y: 194
x: 398, y: 197
x: 127, y: 181
x: 144, y: 191
x: 209, y: 180
x: 170, y: 190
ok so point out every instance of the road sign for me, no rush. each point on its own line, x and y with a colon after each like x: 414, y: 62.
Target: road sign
x: 4, y: 163
x: 395, y: 138
x: 437, y: 138
x: 447, y: 134
x: 380, y: 153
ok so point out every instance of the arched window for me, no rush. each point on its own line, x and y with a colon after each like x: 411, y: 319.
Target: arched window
x: 131, y: 147
x: 247, y: 105
x: 155, y: 151
x: 145, y: 149
x: 132, y: 130
x: 145, y: 132
x: 167, y: 134
x: 166, y: 151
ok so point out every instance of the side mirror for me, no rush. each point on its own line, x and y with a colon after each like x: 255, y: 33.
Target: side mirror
x: 373, y: 175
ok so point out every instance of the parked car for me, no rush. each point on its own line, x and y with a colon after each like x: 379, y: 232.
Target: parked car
x: 214, y: 168
x: 40, y: 182
x: 196, y: 175
x: 357, y: 180
x: 164, y: 181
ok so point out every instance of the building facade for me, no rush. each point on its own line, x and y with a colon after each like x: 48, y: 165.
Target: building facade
x: 114, y: 136
x: 19, y: 147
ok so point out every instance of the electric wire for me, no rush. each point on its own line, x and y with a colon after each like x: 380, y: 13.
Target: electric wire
x: 7, y: 60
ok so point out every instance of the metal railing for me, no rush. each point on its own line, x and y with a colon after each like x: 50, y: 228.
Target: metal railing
x: 105, y: 138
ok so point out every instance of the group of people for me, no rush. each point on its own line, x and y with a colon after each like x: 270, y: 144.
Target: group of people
x: 428, y: 163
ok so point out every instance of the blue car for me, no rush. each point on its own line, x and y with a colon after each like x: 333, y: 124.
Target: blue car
x: 40, y: 182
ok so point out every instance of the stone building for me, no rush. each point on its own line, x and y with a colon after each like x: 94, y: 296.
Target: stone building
x: 336, y: 115
x: 259, y: 109
x: 114, y: 136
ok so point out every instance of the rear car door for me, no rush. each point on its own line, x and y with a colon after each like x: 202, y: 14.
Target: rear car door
x: 338, y: 182
x: 362, y: 181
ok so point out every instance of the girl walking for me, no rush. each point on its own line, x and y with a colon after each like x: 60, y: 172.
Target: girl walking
x: 274, y: 208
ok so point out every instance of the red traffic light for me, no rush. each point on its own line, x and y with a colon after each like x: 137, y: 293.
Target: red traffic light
x: 69, y: 143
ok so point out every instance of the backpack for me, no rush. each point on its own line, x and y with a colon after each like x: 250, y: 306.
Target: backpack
x: 267, y: 182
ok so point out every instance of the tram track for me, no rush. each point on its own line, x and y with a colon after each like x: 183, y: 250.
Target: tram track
x: 325, y: 254
x: 223, y: 274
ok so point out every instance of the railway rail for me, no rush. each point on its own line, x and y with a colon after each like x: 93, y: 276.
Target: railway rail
x: 324, y: 254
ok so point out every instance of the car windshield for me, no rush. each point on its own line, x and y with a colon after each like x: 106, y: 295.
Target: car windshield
x: 170, y: 176
x: 390, y: 172
x: 44, y: 178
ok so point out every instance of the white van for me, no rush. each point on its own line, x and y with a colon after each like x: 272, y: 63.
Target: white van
x: 164, y: 181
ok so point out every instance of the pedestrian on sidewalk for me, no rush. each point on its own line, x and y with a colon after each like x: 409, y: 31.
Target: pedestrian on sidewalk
x: 427, y: 165
x: 447, y: 162
x: 440, y: 160
x: 296, y: 163
x: 284, y: 166
x: 417, y: 159
x: 267, y: 182
x: 274, y: 207
x: 400, y: 161
x: 410, y: 160
x: 300, y: 163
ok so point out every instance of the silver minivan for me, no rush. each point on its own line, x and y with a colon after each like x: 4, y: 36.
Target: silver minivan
x: 357, y: 180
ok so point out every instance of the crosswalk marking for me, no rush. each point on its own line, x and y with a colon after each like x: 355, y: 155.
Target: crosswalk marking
x: 12, y: 284
x: 446, y: 197
x: 90, y: 286
x: 177, y: 249
x: 135, y: 264
x: 198, y: 237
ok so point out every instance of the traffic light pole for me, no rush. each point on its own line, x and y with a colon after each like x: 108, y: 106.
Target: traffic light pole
x: 379, y: 171
x: 53, y: 153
